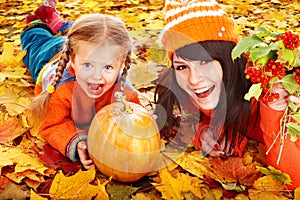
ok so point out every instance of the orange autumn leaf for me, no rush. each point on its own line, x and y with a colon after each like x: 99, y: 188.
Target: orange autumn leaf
x: 10, y: 129
x: 229, y: 170
x: 233, y: 170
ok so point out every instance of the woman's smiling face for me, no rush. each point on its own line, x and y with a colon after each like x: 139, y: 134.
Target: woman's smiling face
x: 202, y: 80
x: 97, y: 67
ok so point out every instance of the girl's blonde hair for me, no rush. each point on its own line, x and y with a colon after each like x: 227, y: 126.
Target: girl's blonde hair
x: 90, y: 28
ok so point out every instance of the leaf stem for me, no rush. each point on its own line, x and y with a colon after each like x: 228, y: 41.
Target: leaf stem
x: 282, y: 134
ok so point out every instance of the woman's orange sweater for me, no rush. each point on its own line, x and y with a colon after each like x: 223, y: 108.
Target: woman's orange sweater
x: 265, y: 130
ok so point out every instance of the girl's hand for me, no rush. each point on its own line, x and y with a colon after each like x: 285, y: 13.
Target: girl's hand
x: 83, y: 155
x: 211, y: 146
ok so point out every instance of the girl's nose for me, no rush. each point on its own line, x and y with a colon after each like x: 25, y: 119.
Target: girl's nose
x: 195, y: 76
x: 97, y: 72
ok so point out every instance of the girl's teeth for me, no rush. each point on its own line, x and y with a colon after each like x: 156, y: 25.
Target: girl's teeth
x: 95, y: 86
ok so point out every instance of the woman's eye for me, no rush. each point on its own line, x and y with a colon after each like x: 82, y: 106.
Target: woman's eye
x: 204, y: 62
x: 181, y: 67
x: 87, y: 65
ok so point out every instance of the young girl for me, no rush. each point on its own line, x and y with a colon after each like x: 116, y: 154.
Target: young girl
x: 79, y: 80
x: 206, y: 83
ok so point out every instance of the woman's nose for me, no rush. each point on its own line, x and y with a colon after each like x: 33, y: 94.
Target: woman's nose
x: 195, y: 76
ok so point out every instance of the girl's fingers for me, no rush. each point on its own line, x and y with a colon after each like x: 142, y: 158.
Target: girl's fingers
x: 83, y: 155
x: 87, y: 164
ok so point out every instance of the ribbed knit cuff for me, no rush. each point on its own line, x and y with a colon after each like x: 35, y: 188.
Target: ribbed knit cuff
x: 37, y: 23
x: 65, y: 28
x: 71, y: 150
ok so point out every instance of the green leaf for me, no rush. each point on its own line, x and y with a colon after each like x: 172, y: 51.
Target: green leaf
x: 233, y: 186
x: 285, y: 55
x: 256, y: 53
x: 296, y: 117
x: 294, y: 130
x: 264, y: 60
x: 293, y: 106
x: 290, y: 84
x: 263, y: 32
x: 254, y: 91
x: 277, y: 174
x: 245, y: 45
x: 263, y: 170
x: 273, y: 80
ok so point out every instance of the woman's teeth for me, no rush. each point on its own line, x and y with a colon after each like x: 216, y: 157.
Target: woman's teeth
x: 205, y: 92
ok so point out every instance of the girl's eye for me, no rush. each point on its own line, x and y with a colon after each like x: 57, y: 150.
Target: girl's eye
x: 181, y: 67
x: 108, y: 67
x: 87, y: 65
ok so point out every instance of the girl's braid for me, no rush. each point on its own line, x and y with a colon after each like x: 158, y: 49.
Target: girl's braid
x: 125, y: 70
x: 63, y: 61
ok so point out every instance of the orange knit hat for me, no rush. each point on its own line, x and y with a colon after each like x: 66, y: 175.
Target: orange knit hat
x: 190, y: 21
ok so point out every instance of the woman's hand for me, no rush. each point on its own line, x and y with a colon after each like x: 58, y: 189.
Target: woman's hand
x: 295, y: 100
x: 211, y: 146
x: 83, y: 155
x: 284, y: 98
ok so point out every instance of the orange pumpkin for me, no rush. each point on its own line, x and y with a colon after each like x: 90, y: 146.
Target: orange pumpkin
x: 124, y: 141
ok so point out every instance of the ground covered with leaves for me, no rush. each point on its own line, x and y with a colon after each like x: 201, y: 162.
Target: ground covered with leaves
x: 31, y: 169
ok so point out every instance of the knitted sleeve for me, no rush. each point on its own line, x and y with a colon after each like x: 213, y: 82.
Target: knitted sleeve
x: 58, y: 127
x: 290, y: 158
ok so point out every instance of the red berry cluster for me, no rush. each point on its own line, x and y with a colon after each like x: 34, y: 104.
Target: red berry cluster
x: 297, y: 75
x: 264, y: 76
x: 290, y: 40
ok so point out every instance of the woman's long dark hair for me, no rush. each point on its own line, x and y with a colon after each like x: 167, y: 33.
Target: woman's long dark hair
x: 237, y: 111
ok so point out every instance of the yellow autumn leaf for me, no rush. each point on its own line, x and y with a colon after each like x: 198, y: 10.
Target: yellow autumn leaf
x: 267, y: 183
x: 23, y: 160
x: 259, y: 195
x: 297, y: 193
x: 195, y: 163
x: 14, y: 104
x: 143, y: 75
x: 80, y: 187
x: 8, y: 58
x: 4, y: 31
x: 175, y: 187
x: 34, y: 196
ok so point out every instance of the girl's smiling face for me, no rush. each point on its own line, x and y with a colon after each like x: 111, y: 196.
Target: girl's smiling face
x: 202, y: 80
x: 97, y: 67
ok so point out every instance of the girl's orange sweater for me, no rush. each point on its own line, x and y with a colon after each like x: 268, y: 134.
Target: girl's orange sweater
x: 70, y: 112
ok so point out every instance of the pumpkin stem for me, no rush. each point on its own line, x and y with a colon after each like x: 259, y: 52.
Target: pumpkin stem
x: 122, y: 98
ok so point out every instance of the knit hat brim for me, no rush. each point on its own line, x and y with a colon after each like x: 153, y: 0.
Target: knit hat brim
x: 192, y: 22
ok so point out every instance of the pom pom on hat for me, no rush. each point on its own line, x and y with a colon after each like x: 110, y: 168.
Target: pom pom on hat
x: 190, y: 21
